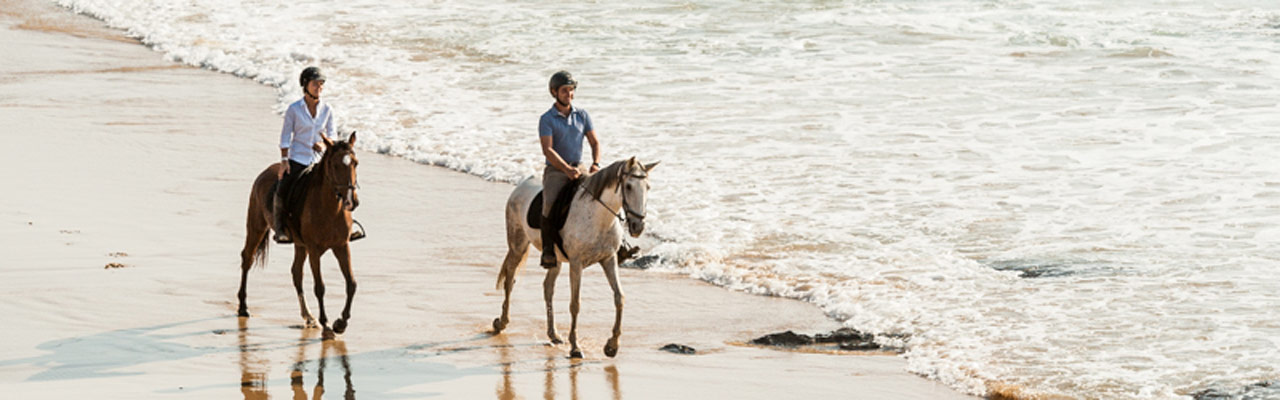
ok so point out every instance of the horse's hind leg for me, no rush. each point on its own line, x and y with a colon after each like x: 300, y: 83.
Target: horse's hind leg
x: 343, y: 254
x: 611, y: 271
x: 254, y: 244
x: 299, y: 257
x: 507, y: 278
x: 549, y: 291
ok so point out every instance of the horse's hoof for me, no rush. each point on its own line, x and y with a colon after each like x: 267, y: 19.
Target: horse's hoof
x: 310, y: 323
x: 244, y: 313
x: 339, y: 326
x: 556, y: 340
x: 498, y: 326
x: 327, y: 334
x: 575, y: 354
x: 610, y: 350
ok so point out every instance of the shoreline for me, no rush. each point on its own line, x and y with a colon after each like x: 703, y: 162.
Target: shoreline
x: 133, y: 160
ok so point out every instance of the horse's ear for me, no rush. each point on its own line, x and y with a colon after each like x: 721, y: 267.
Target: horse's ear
x: 327, y: 142
x: 649, y: 167
x: 352, y: 139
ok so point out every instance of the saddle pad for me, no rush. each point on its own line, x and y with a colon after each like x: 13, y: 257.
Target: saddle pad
x: 559, y: 212
x: 295, y: 198
x: 534, y: 216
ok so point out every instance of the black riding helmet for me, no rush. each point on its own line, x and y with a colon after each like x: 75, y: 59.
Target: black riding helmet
x: 560, y: 79
x: 310, y: 74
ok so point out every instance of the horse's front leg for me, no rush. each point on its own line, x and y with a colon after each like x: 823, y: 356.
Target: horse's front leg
x: 314, y: 256
x: 575, y: 283
x: 299, y: 257
x: 549, y: 291
x: 611, y: 271
x: 343, y: 254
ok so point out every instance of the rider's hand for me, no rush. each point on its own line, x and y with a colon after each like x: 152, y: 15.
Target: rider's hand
x: 595, y: 168
x: 574, y: 173
x: 319, y: 148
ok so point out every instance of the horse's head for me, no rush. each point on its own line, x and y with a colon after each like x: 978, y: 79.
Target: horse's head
x: 339, y: 165
x: 634, y: 184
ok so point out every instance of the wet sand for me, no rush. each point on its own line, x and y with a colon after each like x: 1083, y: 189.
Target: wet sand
x: 123, y: 215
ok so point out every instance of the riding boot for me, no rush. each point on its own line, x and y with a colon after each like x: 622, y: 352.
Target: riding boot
x: 277, y: 220
x: 626, y: 251
x: 548, y: 248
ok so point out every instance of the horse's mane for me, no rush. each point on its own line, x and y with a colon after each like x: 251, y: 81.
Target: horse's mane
x: 605, y: 178
x: 339, y: 147
x: 317, y: 169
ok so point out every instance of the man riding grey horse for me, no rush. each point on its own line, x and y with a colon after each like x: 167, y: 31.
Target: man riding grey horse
x: 561, y: 131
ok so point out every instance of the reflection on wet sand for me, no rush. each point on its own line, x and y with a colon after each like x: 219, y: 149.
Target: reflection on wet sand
x: 551, y: 368
x: 611, y: 374
x: 504, y: 353
x: 549, y: 391
x: 299, y: 367
x: 254, y: 370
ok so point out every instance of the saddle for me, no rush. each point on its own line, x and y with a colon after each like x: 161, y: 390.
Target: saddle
x: 294, y: 199
x: 556, y: 218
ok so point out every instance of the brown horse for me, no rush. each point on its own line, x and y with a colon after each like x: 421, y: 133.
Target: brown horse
x: 323, y: 224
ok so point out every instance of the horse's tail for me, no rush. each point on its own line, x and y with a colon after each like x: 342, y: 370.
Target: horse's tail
x: 517, y: 241
x: 502, y: 277
x: 260, y: 253
x: 511, y: 265
x: 258, y: 222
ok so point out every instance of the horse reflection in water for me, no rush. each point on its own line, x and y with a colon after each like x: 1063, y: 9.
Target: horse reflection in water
x: 508, y: 392
x: 253, y: 368
x: 296, y: 377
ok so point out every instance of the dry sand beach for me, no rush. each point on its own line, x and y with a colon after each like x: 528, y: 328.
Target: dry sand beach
x: 125, y: 186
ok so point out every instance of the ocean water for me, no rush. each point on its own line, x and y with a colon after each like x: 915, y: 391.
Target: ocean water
x: 1049, y: 198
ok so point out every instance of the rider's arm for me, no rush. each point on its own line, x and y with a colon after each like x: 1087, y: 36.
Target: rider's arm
x: 553, y: 157
x: 286, y: 137
x: 545, y: 138
x: 595, y: 150
x: 589, y: 130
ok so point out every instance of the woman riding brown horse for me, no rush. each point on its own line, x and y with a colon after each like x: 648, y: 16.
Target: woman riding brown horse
x: 322, y: 223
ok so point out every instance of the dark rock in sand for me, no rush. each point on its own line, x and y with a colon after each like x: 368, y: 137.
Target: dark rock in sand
x: 678, y: 349
x: 843, y: 335
x: 1260, y: 390
x: 642, y: 262
x: 787, y: 339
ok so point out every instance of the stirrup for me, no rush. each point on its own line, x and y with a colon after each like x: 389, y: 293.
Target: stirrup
x: 358, y: 232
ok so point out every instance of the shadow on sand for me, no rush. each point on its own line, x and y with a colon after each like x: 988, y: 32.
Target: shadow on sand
x: 102, y: 355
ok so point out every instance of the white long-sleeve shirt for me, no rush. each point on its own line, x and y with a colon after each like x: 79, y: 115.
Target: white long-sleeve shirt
x: 301, y: 132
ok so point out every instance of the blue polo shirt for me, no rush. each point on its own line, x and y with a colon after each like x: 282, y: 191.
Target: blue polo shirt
x: 567, y: 132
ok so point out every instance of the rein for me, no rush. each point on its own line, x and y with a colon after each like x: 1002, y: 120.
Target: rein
x: 338, y: 189
x: 630, y: 214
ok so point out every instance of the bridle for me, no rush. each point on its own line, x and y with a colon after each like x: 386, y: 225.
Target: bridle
x: 339, y: 189
x: 625, y: 207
